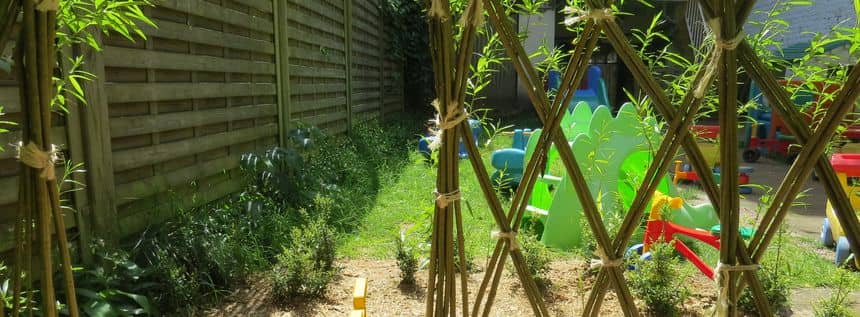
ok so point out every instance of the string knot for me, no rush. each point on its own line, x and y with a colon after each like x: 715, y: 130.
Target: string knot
x: 721, y: 45
x: 605, y: 260
x: 443, y: 200
x: 32, y: 156
x: 511, y: 236
x: 576, y: 15
x: 723, y: 297
x: 454, y: 115
x: 47, y: 5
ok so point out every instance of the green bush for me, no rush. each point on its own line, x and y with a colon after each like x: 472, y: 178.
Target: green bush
x: 537, y: 258
x: 307, y: 267
x: 407, y: 260
x: 660, y: 282
x: 775, y: 288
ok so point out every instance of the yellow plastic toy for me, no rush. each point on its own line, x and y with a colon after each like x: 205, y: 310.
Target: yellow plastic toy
x: 847, y: 167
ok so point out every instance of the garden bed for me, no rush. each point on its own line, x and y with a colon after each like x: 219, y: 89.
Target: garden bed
x: 387, y: 297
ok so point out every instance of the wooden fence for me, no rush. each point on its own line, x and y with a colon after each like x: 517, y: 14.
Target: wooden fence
x: 169, y: 117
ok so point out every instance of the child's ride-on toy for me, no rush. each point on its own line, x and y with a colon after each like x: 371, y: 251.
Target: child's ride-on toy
x: 847, y: 167
x: 658, y: 228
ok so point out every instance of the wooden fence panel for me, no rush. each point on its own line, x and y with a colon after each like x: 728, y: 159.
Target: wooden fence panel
x: 187, y: 102
x: 367, y: 61
x: 214, y: 80
x: 317, y: 63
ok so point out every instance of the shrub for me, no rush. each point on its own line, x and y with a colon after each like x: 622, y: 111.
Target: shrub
x: 407, y: 260
x: 113, y: 287
x: 307, y: 267
x: 537, y: 258
x: 203, y: 252
x: 660, y: 282
x: 775, y: 289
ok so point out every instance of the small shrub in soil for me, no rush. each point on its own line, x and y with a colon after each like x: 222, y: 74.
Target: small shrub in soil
x: 775, y: 289
x: 407, y: 260
x: 837, y: 304
x: 307, y: 267
x: 660, y: 282
x: 537, y: 258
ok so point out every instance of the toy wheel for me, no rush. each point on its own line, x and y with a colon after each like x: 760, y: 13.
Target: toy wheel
x: 827, y: 234
x: 843, y: 250
x: 751, y: 156
x: 634, y: 250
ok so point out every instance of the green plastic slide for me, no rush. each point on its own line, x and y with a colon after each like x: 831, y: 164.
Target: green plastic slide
x: 614, y: 154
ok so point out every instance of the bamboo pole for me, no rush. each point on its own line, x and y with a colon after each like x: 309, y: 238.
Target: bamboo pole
x: 618, y: 40
x: 38, y: 188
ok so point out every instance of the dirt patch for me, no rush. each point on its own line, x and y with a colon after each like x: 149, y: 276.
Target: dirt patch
x: 565, y: 296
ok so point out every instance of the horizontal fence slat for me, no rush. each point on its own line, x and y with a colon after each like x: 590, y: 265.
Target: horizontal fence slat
x: 183, y: 32
x: 142, y: 219
x: 317, y: 55
x: 128, y: 159
x: 317, y: 72
x: 302, y: 106
x: 9, y: 99
x: 322, y: 119
x: 159, y: 183
x: 137, y: 125
x: 313, y: 6
x: 216, y: 12
x: 306, y: 89
x: 136, y: 58
x: 310, y: 37
x: 137, y: 92
x: 262, y: 5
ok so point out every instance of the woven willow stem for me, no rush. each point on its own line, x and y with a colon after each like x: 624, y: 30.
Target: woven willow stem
x: 730, y: 203
x: 24, y: 220
x: 574, y: 73
x: 641, y: 74
x: 785, y: 107
x: 527, y: 74
x: 805, y: 162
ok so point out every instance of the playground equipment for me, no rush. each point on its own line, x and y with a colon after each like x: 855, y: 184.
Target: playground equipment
x: 509, y: 162
x: 847, y: 168
x: 614, y: 153
x: 592, y: 90
x: 710, y: 150
x: 659, y: 228
x: 769, y: 133
x: 427, y: 139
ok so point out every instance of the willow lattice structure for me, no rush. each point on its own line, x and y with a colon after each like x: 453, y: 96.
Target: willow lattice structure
x: 738, y: 260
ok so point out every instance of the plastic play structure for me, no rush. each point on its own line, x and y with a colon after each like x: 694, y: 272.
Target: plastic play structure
x: 847, y: 167
x: 613, y: 153
x: 769, y: 134
x: 710, y: 150
x: 509, y: 162
x: 658, y: 228
x: 592, y: 90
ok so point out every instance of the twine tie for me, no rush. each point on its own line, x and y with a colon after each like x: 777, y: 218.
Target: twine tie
x: 453, y: 117
x: 577, y: 15
x: 723, y: 297
x: 511, y: 236
x: 720, y: 47
x: 32, y: 156
x: 443, y: 200
x: 47, y: 5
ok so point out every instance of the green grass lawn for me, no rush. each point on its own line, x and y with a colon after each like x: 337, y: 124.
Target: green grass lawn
x: 405, y: 202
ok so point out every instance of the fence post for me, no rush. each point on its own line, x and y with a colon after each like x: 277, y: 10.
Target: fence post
x: 282, y: 60
x: 382, y: 62
x: 347, y: 38
x: 96, y: 148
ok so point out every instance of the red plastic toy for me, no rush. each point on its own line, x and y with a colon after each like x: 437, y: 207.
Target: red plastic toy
x: 658, y: 229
